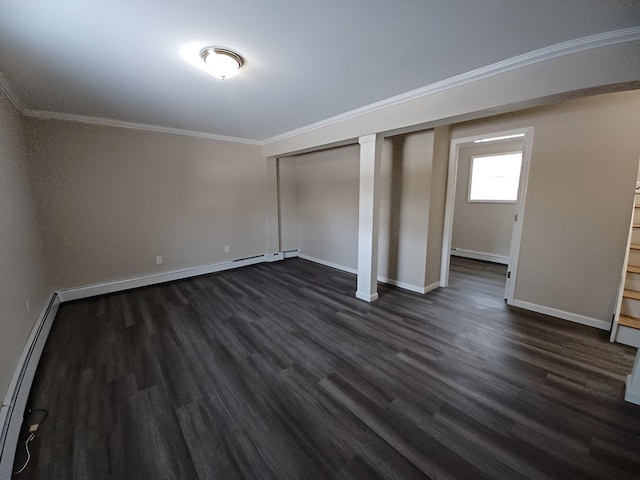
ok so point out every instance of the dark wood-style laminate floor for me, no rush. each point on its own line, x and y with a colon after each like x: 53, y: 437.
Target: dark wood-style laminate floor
x: 276, y: 371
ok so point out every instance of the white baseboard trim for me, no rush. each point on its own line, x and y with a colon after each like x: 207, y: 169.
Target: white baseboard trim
x: 572, y: 317
x: 120, y: 285
x: 407, y: 286
x: 628, y: 336
x: 15, y: 401
x: 291, y: 253
x: 366, y: 297
x: 388, y: 281
x: 630, y: 395
x: 328, y: 264
x: 432, y: 287
x: 486, y: 256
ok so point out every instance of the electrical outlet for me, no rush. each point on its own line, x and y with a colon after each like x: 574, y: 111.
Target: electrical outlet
x: 226, y: 249
x: 159, y: 260
x: 33, y: 428
x: 28, y: 305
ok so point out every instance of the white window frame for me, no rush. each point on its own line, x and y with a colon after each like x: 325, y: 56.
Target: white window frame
x: 469, y: 200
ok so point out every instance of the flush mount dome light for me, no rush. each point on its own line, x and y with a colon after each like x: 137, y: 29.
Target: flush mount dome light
x: 221, y: 62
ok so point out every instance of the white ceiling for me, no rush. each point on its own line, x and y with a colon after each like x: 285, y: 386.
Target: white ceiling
x: 305, y: 60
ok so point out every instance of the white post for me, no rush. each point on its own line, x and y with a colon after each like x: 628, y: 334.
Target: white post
x: 632, y: 393
x: 370, y: 153
x: 273, y: 210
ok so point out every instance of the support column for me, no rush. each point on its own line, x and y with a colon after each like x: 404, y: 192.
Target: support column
x: 632, y: 393
x: 370, y: 154
x: 272, y: 204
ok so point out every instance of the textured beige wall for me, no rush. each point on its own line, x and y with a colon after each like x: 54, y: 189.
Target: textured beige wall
x: 319, y: 205
x: 111, y: 199
x: 575, y: 226
x: 481, y: 227
x: 437, y: 200
x: 324, y: 188
x: 404, y: 207
x: 22, y: 273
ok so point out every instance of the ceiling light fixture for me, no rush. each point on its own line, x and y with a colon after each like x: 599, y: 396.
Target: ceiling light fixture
x: 221, y: 62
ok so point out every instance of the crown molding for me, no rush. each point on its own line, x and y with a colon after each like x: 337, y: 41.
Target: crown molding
x: 524, y: 60
x: 108, y: 122
x: 9, y: 92
x: 527, y: 59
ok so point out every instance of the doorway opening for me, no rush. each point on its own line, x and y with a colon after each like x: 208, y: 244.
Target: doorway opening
x: 486, y: 193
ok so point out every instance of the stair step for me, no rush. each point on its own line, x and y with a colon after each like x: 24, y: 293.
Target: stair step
x: 628, y: 321
x: 635, y: 246
x: 632, y: 269
x: 636, y: 225
x: 631, y: 294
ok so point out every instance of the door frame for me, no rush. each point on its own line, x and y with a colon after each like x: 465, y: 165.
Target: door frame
x: 516, y: 236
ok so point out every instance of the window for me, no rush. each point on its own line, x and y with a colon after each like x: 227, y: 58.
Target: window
x: 495, y: 178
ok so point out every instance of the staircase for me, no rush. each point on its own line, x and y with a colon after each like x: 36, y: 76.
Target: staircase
x: 626, y: 321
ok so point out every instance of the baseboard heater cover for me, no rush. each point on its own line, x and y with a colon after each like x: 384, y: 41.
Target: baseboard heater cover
x: 127, y: 284
x: 16, y: 399
x: 248, y: 258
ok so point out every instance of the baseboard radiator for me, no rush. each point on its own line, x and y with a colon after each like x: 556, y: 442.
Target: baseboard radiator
x: 16, y: 399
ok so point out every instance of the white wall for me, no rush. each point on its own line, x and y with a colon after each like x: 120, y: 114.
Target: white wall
x: 23, y: 276
x: 581, y: 184
x: 481, y: 227
x: 111, y: 199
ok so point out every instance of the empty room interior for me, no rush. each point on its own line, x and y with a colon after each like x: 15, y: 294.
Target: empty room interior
x: 316, y: 240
